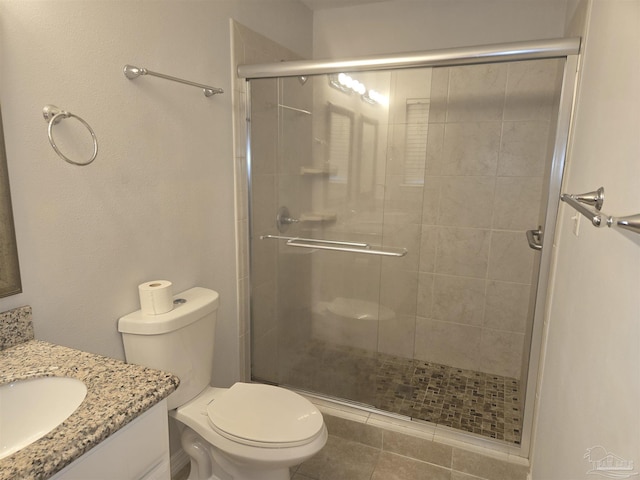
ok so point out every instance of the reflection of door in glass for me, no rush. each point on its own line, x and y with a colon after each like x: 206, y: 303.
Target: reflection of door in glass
x: 367, y: 157
x: 339, y: 150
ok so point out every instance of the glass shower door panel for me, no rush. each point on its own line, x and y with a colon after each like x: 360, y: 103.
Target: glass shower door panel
x: 337, y: 356
x: 449, y: 163
x: 263, y: 128
x: 315, y: 317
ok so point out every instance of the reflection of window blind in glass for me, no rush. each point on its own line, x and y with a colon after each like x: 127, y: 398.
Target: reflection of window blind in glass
x: 415, y: 153
x: 367, y: 156
x: 339, y: 147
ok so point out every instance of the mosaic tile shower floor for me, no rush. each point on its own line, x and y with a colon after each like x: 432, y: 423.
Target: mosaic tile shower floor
x: 485, y: 404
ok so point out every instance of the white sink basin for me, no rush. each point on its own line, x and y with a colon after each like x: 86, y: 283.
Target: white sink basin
x: 31, y: 408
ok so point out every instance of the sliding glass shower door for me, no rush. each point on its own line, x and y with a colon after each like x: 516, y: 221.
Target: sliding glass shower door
x: 389, y: 255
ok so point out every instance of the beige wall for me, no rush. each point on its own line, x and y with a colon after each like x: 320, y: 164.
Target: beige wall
x: 415, y: 25
x: 158, y: 200
x: 590, y: 381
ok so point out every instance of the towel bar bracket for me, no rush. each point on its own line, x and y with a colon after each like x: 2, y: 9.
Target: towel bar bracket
x: 598, y: 219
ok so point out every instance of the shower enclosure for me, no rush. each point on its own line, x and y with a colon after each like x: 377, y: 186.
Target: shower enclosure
x: 397, y: 214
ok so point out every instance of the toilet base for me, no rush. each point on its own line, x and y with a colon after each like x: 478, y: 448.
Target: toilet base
x: 208, y: 464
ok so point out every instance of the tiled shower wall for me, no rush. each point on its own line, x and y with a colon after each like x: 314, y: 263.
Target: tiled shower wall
x: 488, y: 134
x: 461, y: 296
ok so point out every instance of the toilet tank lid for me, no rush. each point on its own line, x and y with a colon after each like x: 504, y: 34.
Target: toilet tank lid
x: 198, y: 302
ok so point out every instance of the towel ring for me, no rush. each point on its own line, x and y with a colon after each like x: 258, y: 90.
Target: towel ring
x: 53, y: 115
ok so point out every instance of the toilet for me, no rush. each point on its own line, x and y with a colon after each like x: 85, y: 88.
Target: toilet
x: 246, y: 432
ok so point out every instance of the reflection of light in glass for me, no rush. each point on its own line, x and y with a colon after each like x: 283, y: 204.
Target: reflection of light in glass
x: 347, y: 84
x: 345, y: 80
x: 378, y: 97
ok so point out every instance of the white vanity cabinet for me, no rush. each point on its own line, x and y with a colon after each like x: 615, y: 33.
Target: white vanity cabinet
x: 138, y: 451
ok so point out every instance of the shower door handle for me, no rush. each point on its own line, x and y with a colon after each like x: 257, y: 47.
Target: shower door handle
x: 534, y: 237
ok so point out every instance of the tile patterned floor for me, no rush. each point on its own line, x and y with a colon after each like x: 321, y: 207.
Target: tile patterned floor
x: 344, y: 459
x: 399, y: 457
x: 485, y: 404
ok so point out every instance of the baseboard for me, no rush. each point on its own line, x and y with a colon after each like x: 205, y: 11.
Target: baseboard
x: 179, y: 460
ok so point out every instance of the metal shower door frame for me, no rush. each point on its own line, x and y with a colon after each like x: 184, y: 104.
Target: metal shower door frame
x: 567, y: 49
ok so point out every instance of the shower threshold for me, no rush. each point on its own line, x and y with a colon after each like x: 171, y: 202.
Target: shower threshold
x: 485, y: 404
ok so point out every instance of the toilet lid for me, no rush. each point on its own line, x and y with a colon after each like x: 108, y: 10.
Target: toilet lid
x: 251, y: 413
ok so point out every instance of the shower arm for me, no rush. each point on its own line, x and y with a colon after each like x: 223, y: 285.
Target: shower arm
x: 132, y: 72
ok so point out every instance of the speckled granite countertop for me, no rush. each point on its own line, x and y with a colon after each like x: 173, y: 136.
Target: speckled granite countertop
x: 116, y: 394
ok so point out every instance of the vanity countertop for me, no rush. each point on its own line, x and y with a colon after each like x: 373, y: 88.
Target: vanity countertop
x: 116, y: 394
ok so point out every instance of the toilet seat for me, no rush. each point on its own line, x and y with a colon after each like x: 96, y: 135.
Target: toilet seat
x: 249, y: 459
x: 264, y: 416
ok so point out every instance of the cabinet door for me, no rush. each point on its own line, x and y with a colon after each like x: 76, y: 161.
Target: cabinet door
x: 140, y: 450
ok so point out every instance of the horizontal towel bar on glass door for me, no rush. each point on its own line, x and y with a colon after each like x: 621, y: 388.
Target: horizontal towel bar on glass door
x: 336, y: 246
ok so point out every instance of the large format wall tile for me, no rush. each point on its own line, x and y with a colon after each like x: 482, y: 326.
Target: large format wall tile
x: 396, y: 334
x: 463, y: 251
x: 458, y: 299
x: 431, y: 200
x: 476, y: 93
x: 470, y: 149
x: 531, y: 88
x: 466, y: 201
x: 447, y: 343
x: 403, y: 236
x: 428, y: 244
x: 501, y: 352
x: 507, y: 306
x: 439, y: 94
x: 523, y: 149
x: 424, y: 305
x: 398, y: 290
x: 400, y: 197
x: 517, y: 203
x: 511, y: 259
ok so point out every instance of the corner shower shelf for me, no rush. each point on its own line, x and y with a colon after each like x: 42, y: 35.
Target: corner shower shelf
x: 318, y: 217
x: 322, y: 171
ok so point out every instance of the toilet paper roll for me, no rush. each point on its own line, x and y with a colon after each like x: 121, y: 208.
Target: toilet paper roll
x: 156, y: 297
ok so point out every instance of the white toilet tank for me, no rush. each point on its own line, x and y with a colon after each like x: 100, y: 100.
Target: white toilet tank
x: 180, y: 341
